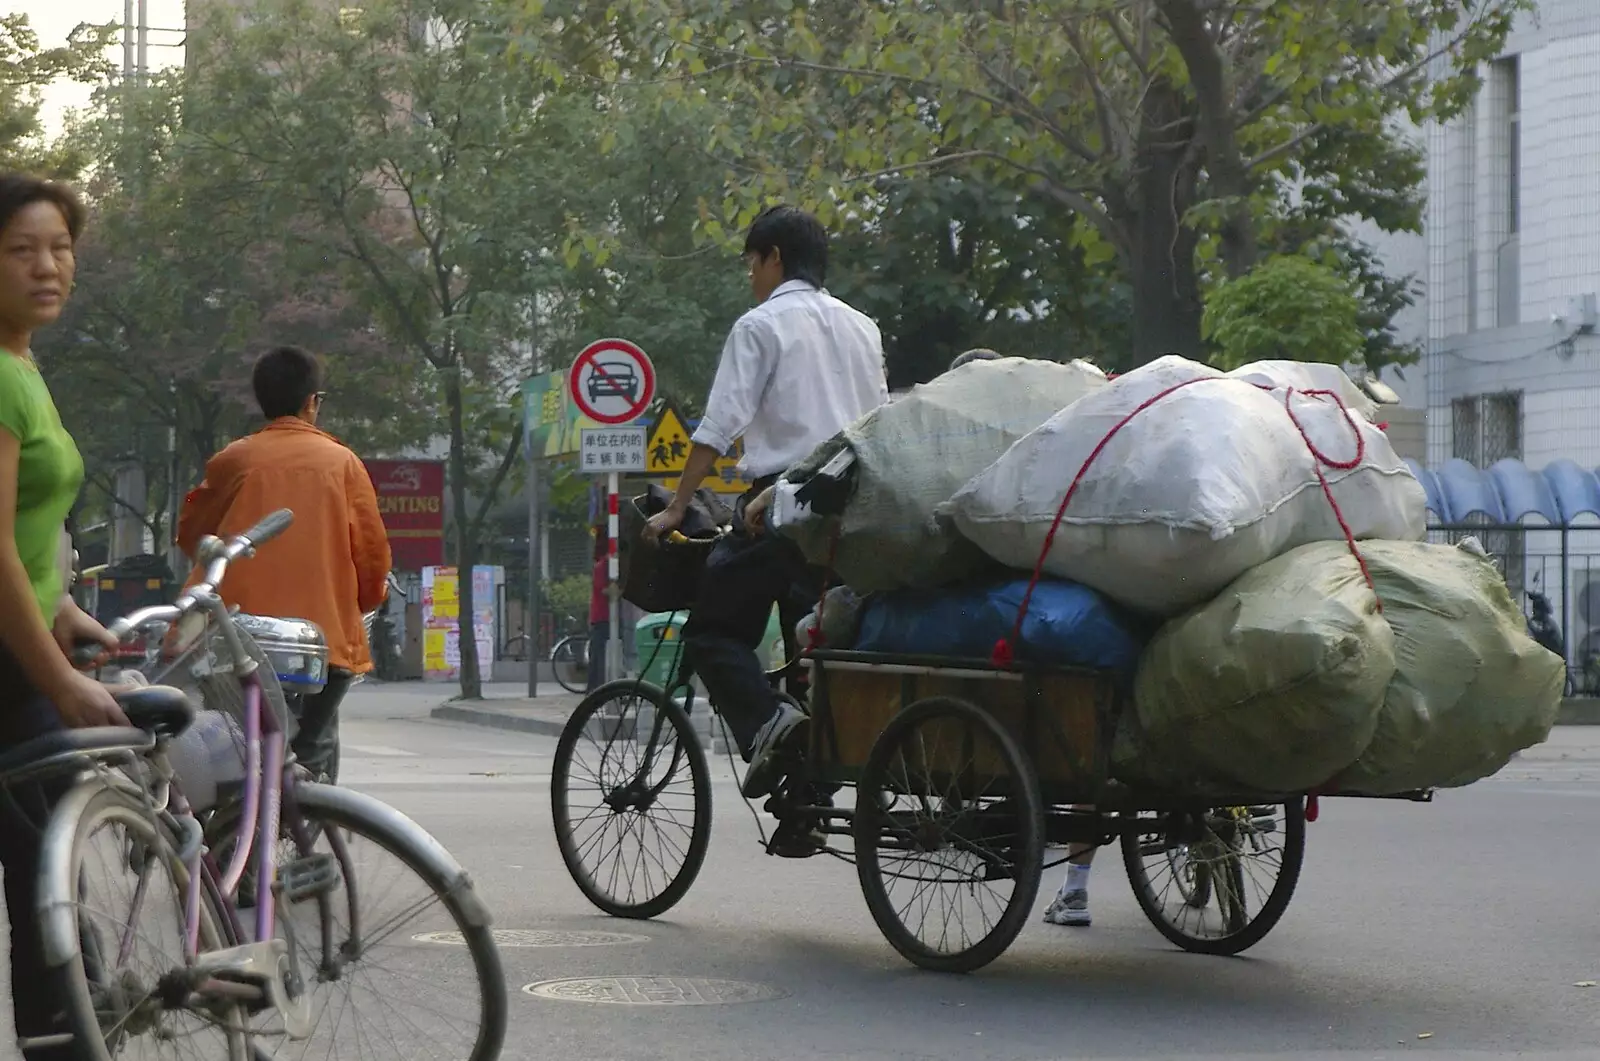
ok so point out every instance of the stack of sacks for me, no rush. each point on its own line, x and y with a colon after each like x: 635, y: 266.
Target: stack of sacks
x: 1197, y: 477
x: 913, y: 453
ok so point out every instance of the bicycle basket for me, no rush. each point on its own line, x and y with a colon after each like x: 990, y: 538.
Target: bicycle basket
x: 665, y: 576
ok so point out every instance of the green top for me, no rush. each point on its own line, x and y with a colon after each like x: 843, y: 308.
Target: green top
x: 49, y: 473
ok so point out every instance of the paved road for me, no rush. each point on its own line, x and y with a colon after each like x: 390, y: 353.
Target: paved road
x: 1458, y: 929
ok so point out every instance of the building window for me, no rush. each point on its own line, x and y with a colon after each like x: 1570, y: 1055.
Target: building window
x: 1487, y: 428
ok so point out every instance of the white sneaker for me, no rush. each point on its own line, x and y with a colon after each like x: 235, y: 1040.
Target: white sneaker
x: 1071, y: 909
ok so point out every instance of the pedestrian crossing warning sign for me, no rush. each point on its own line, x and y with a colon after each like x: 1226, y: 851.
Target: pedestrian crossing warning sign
x: 668, y: 450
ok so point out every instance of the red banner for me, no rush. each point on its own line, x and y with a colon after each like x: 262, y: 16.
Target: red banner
x: 411, y: 498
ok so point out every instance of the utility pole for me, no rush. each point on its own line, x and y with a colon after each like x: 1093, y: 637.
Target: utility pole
x: 144, y: 42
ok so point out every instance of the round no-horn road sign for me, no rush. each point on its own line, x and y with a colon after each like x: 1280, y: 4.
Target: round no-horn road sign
x: 612, y: 381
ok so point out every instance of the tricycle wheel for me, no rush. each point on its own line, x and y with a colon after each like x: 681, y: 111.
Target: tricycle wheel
x: 949, y: 835
x: 1216, y: 881
x: 631, y: 797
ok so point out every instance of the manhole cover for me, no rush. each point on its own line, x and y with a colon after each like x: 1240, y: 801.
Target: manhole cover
x: 654, y: 991
x: 526, y: 937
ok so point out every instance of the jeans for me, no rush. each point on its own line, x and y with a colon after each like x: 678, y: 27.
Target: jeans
x: 599, y: 634
x: 24, y: 810
x: 316, y: 743
x: 744, y: 577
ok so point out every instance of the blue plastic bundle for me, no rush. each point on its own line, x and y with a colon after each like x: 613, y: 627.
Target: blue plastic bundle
x: 1066, y: 624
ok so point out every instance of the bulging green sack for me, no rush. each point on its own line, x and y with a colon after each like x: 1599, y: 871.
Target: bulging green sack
x: 1471, y: 688
x: 1292, y: 680
x: 1276, y: 684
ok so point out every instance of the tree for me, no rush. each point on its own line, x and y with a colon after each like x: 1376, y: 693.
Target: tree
x: 945, y: 264
x: 26, y: 66
x: 1174, y: 129
x: 433, y: 168
x: 1287, y: 306
x: 174, y: 302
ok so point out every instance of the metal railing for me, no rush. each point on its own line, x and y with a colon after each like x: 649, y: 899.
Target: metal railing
x: 1561, y: 562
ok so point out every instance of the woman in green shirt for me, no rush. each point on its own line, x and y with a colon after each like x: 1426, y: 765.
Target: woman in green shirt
x: 40, y: 472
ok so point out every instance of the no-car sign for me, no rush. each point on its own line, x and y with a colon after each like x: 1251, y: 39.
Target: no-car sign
x: 612, y: 381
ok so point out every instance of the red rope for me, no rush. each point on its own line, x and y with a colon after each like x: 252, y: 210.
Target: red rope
x: 1005, y: 649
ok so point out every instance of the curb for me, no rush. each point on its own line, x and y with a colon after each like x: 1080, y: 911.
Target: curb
x: 715, y: 740
x: 496, y: 720
x: 1579, y: 711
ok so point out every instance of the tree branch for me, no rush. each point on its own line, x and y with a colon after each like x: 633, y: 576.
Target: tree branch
x: 500, y: 473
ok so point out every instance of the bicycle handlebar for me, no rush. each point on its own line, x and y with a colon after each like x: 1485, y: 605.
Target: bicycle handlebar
x: 216, y: 555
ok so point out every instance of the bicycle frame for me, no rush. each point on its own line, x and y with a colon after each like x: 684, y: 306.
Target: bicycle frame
x: 265, y: 767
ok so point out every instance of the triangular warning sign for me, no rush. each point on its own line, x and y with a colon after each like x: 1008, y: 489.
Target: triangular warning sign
x: 668, y: 450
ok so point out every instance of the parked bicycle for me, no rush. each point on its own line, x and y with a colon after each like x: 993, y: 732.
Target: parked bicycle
x: 569, y: 659
x: 181, y: 919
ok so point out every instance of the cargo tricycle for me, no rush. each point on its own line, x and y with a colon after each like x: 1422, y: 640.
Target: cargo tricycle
x: 965, y: 775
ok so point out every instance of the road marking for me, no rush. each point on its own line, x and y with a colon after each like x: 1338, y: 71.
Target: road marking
x: 383, y: 750
x: 654, y: 991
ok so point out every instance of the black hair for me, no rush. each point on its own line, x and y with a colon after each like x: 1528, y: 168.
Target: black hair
x: 976, y: 354
x: 19, y: 191
x: 799, y: 239
x: 284, y: 378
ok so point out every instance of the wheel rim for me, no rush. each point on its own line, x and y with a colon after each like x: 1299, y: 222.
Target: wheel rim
x: 376, y: 985
x: 131, y: 926
x: 949, y: 833
x: 570, y: 662
x: 626, y: 803
x: 1209, y: 876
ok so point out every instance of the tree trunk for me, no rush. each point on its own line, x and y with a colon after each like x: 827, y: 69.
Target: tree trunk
x: 1227, y: 173
x: 1161, y: 255
x: 466, y: 539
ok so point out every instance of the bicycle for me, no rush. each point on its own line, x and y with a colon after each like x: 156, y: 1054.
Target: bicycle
x: 569, y: 660
x: 250, y: 990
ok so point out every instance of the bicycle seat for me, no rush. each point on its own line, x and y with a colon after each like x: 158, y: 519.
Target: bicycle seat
x: 65, y: 745
x: 159, y: 710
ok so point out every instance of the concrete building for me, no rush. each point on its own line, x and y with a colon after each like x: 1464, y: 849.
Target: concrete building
x: 1513, y: 245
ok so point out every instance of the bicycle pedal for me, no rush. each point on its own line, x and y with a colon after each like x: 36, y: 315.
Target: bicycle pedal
x: 309, y: 877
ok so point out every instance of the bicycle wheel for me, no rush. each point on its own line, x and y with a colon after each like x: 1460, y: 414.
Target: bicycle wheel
x: 948, y: 807
x: 1216, y: 881
x: 631, y: 746
x: 389, y: 936
x: 570, y: 661
x: 112, y: 883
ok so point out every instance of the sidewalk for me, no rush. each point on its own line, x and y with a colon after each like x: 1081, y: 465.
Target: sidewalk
x: 506, y: 705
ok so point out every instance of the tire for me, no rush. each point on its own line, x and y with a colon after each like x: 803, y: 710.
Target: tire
x: 325, y: 821
x: 569, y: 661
x: 128, y: 998
x: 1224, y: 878
x: 648, y: 726
x: 1019, y: 808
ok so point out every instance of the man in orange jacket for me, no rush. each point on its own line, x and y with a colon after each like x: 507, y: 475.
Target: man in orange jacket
x: 331, y: 566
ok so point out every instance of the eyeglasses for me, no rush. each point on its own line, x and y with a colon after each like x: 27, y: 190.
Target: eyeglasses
x: 320, y: 396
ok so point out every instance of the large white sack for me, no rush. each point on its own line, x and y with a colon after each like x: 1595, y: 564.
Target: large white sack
x: 916, y: 451
x: 1309, y: 376
x: 1208, y: 482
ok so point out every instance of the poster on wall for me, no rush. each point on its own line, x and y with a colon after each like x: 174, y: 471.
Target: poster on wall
x: 441, y: 614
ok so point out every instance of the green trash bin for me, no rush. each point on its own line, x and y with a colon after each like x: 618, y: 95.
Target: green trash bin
x: 658, y: 639
x: 772, y: 643
x: 666, y: 630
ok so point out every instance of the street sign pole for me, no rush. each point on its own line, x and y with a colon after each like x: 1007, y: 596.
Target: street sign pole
x: 612, y: 382
x: 613, y: 576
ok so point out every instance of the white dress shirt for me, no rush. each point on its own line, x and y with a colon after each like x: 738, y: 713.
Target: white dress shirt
x: 795, y: 371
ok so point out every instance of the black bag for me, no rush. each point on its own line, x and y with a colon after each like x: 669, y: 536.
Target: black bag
x: 665, y: 576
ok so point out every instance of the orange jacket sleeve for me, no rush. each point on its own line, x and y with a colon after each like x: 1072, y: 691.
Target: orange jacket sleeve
x: 369, y: 542
x: 206, y: 505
